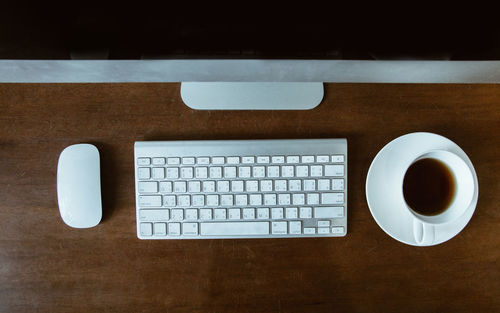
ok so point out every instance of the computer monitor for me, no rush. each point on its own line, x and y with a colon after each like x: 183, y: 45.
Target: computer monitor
x: 259, y: 59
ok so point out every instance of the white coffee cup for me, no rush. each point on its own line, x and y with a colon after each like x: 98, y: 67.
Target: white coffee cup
x: 424, y: 225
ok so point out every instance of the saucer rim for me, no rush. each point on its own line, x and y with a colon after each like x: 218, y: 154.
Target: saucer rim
x: 463, y: 219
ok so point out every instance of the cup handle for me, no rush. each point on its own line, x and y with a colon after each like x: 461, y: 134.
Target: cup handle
x: 423, y: 233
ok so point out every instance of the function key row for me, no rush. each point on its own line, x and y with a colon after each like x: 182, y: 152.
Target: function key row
x: 219, y: 160
x: 256, y: 171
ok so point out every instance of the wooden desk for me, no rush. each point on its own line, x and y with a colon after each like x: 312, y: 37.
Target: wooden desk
x: 47, y: 267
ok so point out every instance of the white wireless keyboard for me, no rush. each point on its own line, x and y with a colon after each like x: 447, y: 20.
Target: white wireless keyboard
x: 241, y: 188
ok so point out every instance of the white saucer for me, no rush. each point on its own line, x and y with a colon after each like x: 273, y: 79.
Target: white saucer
x: 398, y: 222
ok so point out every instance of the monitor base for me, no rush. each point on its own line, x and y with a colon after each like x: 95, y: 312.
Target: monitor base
x: 251, y: 96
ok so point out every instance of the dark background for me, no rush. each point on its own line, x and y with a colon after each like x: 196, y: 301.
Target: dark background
x: 248, y: 30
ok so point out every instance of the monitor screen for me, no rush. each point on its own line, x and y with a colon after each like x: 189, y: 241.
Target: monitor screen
x: 180, y: 32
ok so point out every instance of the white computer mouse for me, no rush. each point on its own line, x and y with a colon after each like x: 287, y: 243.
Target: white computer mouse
x: 79, y: 186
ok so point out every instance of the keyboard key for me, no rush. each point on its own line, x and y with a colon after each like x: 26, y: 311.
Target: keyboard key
x: 323, y: 230
x: 198, y: 200
x: 177, y: 215
x: 334, y: 170
x: 188, y: 161
x: 147, y: 186
x: 212, y: 200
x: 187, y: 172
x: 223, y: 186
x: 312, y: 198
x: 203, y: 161
x: 248, y: 159
x: 278, y: 159
x: 309, y: 185
x: 227, y: 200
x: 309, y: 230
x: 262, y: 159
x: 323, y: 184
x: 266, y: 185
x: 208, y: 186
x: 173, y: 161
x: 180, y: 186
x: 279, y: 228
x: 234, y: 229
x: 305, y: 212
x: 158, y: 161
x: 295, y: 227
x: 277, y: 213
x: 248, y: 214
x: 332, y: 198
x: 143, y: 161
x: 337, y: 159
x: 316, y: 170
x: 295, y: 185
x: 323, y: 223
x: 287, y: 171
x: 220, y: 214
x: 338, y: 184
x: 184, y: 200
x: 270, y: 199
x: 322, y: 159
x: 255, y: 199
x: 302, y: 171
x: 154, y: 215
x: 194, y: 186
x: 158, y: 173
x: 201, y: 172
x: 338, y: 230
x: 218, y: 160
x: 273, y: 171
x: 233, y: 160
x: 165, y: 186
x: 241, y: 200
x: 216, y: 172
x: 146, y: 229
x: 237, y: 186
x: 172, y: 172
x: 169, y: 201
x: 308, y: 159
x: 259, y: 171
x: 244, y: 172
x: 298, y: 198
x: 251, y: 185
x: 280, y: 185
x: 191, y: 214
x: 234, y: 214
x: 160, y: 229
x: 229, y: 172
x: 174, y: 229
x: 149, y: 201
x: 205, y: 214
x: 328, y: 212
x: 291, y: 213
x: 190, y: 229
x: 292, y: 159
x: 144, y: 173
x: 263, y: 213
x: 284, y: 199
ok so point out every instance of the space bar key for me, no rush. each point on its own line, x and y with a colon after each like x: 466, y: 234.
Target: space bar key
x: 234, y: 229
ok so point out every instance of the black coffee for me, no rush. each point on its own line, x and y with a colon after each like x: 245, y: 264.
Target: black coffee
x: 428, y: 187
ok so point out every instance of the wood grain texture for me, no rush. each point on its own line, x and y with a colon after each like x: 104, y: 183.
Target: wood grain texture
x: 47, y: 267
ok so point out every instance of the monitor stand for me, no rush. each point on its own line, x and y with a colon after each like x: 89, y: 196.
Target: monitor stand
x: 251, y: 96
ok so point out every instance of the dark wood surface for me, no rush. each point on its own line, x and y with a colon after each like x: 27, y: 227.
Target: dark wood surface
x: 46, y: 266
